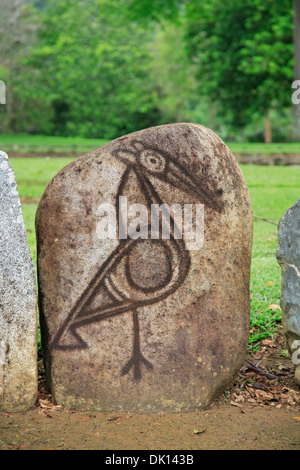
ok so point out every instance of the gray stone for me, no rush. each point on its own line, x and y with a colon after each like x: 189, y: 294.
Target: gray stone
x: 288, y: 255
x: 145, y: 324
x: 18, y: 312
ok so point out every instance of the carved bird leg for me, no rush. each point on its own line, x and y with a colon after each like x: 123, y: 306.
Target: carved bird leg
x: 137, y: 357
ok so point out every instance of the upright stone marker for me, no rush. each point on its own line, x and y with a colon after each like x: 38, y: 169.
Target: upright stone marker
x: 135, y: 316
x: 18, y: 312
x: 288, y: 256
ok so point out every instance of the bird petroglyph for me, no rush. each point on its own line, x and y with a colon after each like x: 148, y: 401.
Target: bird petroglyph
x: 141, y: 270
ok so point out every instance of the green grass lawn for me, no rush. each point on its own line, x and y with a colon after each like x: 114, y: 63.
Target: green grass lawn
x: 267, y: 149
x: 272, y: 189
x: 44, y: 144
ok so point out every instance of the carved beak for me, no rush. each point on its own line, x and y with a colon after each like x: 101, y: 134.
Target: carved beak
x: 178, y: 177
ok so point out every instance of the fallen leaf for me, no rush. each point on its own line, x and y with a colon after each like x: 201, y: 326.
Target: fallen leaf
x: 237, y: 398
x: 267, y: 342
x: 269, y: 283
x: 44, y: 403
x: 113, y: 418
x: 233, y: 403
x: 259, y: 386
x: 48, y: 406
x: 297, y: 418
x: 56, y: 407
x: 251, y: 400
x: 238, y: 405
x: 199, y: 431
x: 274, y: 307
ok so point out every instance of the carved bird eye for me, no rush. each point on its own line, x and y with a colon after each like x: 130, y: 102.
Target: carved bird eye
x: 153, y: 161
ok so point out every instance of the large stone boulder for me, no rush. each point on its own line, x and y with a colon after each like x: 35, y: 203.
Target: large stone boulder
x: 138, y: 315
x: 18, y: 309
x: 288, y: 256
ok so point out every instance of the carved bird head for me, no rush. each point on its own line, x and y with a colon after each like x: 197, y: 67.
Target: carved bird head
x: 147, y: 160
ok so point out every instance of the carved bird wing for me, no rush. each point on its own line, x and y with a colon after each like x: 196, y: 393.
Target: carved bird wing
x: 139, y: 272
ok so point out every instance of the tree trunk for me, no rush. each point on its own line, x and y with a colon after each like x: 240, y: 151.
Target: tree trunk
x: 295, y: 130
x: 268, y: 129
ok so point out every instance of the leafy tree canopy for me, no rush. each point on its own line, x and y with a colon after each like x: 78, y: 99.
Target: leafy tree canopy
x: 245, y: 53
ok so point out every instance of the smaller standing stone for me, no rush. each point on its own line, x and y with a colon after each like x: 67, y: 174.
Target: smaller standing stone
x: 18, y: 314
x: 288, y: 256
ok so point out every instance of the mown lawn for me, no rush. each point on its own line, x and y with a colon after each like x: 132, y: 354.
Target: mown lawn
x: 40, y: 143
x: 52, y: 144
x: 272, y: 189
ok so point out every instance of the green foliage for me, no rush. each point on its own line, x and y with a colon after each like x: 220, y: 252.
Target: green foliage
x: 104, y: 68
x: 177, y: 91
x: 154, y: 10
x: 244, y: 52
x: 18, y: 24
x: 94, y: 70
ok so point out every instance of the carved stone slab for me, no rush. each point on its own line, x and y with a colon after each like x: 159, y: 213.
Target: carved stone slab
x: 144, y: 249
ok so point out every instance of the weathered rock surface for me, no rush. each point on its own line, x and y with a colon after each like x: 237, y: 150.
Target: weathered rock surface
x: 18, y: 312
x: 288, y: 256
x: 150, y: 323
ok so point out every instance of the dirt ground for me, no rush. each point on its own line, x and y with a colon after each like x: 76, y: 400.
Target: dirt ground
x: 260, y: 412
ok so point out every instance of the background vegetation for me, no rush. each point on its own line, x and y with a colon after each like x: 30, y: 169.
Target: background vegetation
x: 103, y: 68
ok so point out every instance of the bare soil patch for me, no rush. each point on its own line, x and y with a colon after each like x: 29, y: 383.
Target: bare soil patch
x: 261, y: 411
